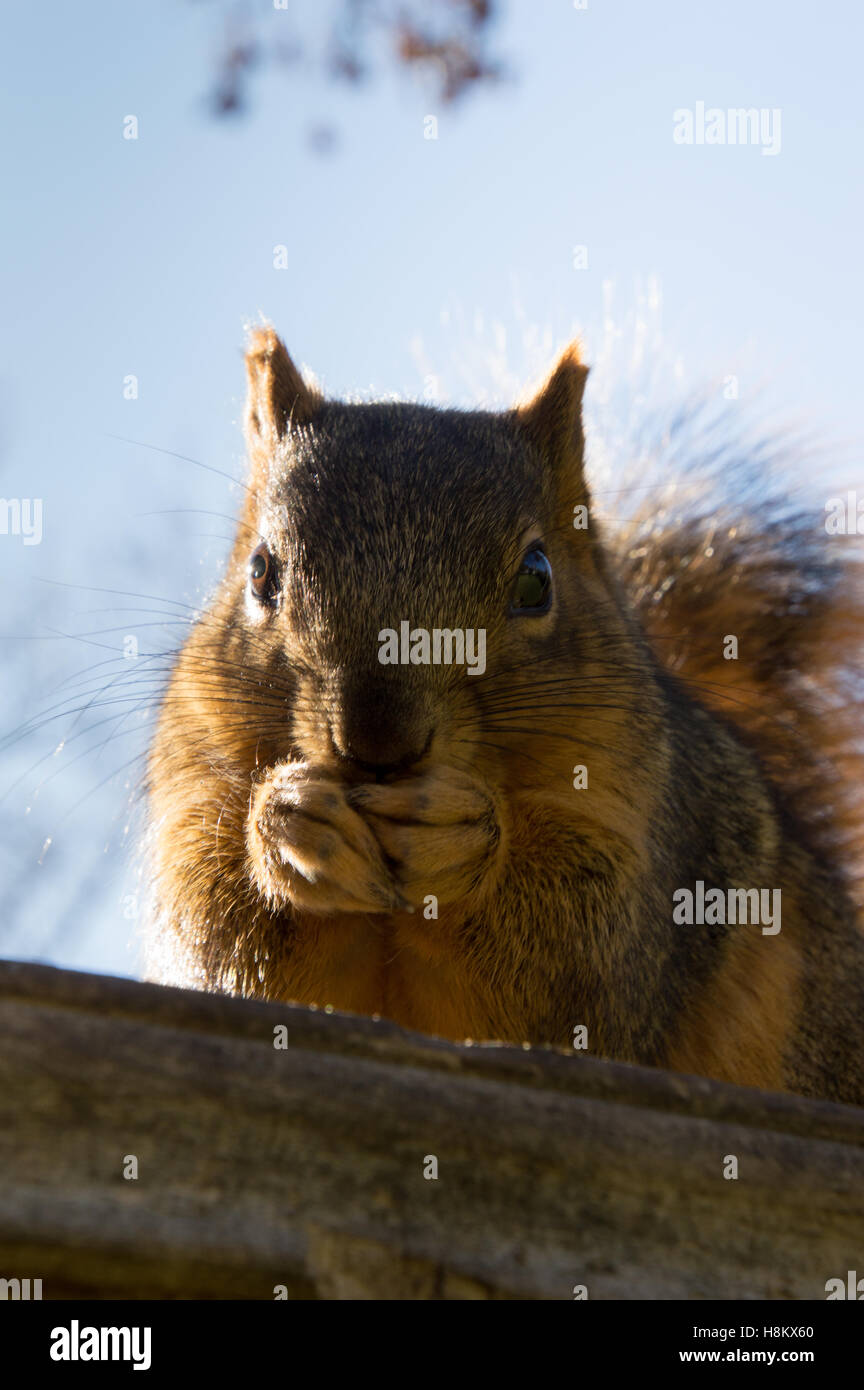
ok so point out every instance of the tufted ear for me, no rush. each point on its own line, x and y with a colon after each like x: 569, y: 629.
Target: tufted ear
x: 278, y: 397
x: 553, y: 419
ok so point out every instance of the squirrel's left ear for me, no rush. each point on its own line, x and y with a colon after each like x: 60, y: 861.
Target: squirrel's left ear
x: 553, y: 418
x: 278, y: 396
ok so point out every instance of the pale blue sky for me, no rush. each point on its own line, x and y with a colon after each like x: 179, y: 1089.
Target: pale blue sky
x: 147, y: 256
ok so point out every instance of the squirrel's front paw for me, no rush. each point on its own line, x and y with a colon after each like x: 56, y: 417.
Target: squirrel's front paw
x: 440, y: 832
x: 309, y: 848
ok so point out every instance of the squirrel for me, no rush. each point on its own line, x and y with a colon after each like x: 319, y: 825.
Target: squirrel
x: 447, y: 748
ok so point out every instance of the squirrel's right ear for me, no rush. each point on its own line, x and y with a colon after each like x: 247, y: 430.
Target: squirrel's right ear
x: 553, y: 418
x: 278, y: 396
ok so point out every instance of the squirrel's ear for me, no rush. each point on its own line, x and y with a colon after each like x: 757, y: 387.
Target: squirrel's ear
x: 553, y: 418
x: 278, y: 396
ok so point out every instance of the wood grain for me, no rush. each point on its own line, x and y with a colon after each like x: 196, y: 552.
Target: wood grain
x: 303, y: 1167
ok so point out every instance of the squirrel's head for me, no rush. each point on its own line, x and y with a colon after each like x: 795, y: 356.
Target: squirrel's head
x: 412, y: 578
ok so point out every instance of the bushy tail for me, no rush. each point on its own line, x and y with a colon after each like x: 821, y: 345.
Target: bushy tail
x: 724, y: 562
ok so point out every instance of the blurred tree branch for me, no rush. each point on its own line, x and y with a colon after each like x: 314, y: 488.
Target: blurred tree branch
x: 448, y: 40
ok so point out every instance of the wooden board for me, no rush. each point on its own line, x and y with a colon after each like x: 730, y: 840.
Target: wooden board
x: 303, y: 1167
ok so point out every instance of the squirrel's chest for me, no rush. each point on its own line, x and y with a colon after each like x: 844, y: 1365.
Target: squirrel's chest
x: 380, y: 967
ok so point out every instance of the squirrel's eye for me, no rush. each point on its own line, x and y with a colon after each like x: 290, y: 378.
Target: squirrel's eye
x: 261, y: 572
x: 533, y: 588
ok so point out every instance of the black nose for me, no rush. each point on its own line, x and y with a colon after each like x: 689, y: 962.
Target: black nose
x: 382, y: 759
x: 380, y: 729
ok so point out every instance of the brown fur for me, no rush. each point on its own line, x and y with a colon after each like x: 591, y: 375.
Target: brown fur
x: 306, y: 801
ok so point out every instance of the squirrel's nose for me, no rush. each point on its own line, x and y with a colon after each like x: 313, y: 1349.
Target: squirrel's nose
x: 382, y: 754
x: 380, y: 732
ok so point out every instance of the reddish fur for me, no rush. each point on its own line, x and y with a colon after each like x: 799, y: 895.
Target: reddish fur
x: 555, y: 905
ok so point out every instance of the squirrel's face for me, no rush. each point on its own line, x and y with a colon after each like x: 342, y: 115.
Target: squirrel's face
x: 401, y: 569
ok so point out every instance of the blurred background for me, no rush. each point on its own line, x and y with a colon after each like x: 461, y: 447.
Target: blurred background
x: 427, y: 200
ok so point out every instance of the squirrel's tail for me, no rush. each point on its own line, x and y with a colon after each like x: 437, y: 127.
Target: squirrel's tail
x: 748, y: 600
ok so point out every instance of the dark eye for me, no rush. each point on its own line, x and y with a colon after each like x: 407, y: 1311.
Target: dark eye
x: 532, y: 591
x: 261, y: 572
